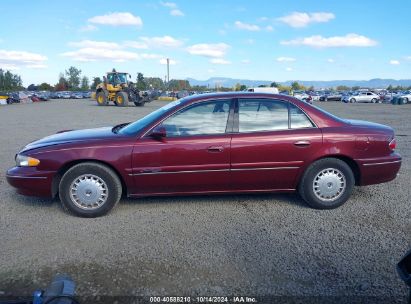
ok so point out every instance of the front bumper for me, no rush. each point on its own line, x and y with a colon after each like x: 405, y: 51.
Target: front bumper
x: 30, y: 181
x: 379, y: 170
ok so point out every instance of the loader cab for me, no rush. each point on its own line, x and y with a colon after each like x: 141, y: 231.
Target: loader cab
x: 116, y: 78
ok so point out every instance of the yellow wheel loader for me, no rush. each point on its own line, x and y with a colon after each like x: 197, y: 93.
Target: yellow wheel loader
x: 116, y: 88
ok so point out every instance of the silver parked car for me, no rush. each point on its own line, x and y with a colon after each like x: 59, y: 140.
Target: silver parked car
x: 365, y: 97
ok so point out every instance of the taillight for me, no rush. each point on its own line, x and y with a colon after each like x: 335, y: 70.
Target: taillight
x: 393, y: 144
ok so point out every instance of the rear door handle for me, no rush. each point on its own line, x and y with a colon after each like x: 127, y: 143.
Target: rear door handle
x: 214, y: 149
x: 302, y: 143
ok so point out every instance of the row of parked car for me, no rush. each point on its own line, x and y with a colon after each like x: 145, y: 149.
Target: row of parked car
x: 35, y: 96
x: 379, y: 96
x: 70, y: 95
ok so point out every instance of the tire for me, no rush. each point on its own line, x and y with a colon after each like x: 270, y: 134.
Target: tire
x: 121, y: 99
x: 352, y: 100
x: 405, y: 100
x: 101, y: 98
x: 91, y: 180
x: 373, y: 100
x: 338, y: 171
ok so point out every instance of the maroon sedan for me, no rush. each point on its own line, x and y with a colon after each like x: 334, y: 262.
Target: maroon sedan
x: 210, y: 144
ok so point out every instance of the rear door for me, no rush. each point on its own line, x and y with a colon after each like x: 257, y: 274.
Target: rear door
x: 273, y: 140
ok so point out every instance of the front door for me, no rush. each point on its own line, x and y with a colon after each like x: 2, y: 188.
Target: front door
x: 194, y: 156
x: 274, y: 140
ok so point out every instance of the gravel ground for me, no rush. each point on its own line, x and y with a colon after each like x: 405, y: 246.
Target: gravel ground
x: 223, y: 245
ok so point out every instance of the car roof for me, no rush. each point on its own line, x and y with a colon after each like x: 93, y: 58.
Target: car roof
x: 321, y: 118
x: 240, y: 94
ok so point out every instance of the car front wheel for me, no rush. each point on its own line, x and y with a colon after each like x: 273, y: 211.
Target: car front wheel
x: 89, y: 189
x: 327, y: 183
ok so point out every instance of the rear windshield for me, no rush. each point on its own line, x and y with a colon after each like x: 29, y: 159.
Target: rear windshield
x: 328, y: 114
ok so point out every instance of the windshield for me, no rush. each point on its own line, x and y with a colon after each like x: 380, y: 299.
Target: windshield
x: 140, y: 124
x: 122, y: 78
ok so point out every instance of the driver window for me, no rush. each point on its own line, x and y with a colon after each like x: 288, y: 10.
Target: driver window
x: 205, y: 118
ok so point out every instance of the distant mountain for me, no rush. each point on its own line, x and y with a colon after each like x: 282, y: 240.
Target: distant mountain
x: 372, y: 83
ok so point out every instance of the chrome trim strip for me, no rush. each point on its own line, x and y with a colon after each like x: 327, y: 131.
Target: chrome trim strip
x: 178, y: 172
x: 274, y: 168
x: 27, y: 177
x: 383, y: 163
x: 211, y: 170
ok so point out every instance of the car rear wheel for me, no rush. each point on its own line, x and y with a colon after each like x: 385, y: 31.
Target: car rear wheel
x: 373, y: 100
x: 352, y: 100
x: 405, y: 99
x: 89, y: 189
x: 327, y: 183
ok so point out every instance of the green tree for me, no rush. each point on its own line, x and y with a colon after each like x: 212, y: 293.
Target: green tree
x: 96, y: 82
x: 342, y: 88
x: 178, y: 85
x: 154, y: 83
x: 198, y: 88
x: 274, y: 85
x: 73, y: 78
x: 10, y: 81
x: 295, y: 86
x: 355, y: 88
x: 237, y: 87
x: 44, y: 87
x: 141, y: 84
x: 85, y: 84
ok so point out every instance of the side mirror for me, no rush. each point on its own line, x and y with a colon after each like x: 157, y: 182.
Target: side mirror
x: 158, y: 132
x: 404, y: 268
x: 129, y: 76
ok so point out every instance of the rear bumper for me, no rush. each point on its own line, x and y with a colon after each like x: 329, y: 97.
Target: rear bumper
x: 29, y: 181
x: 379, y: 170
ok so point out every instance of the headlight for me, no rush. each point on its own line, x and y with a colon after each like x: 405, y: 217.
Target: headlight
x: 26, y: 161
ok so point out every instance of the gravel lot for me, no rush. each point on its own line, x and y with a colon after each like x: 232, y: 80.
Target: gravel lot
x: 241, y: 244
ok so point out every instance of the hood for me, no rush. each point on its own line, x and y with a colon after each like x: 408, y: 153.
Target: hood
x: 64, y: 137
x: 368, y: 124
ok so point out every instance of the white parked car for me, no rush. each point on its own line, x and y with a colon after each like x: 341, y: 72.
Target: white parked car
x: 365, y: 97
x: 263, y: 90
x: 301, y: 95
x: 406, y: 96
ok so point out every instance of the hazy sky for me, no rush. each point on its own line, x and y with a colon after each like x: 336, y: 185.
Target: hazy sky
x: 260, y: 40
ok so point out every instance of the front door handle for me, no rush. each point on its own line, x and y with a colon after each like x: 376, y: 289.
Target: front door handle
x: 214, y: 149
x: 302, y: 143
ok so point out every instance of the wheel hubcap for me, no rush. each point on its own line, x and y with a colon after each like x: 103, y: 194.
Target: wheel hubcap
x: 329, y: 184
x: 88, y: 192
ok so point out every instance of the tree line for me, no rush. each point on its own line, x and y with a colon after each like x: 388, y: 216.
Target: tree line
x: 71, y: 80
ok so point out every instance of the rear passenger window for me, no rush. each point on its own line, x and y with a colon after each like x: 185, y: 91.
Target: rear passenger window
x: 262, y: 115
x: 298, y: 118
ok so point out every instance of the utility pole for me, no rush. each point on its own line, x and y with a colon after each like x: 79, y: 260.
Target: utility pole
x: 168, y: 70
